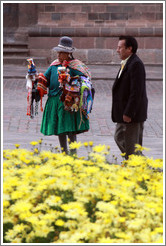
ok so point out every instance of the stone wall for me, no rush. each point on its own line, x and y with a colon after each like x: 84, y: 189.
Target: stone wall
x: 94, y: 27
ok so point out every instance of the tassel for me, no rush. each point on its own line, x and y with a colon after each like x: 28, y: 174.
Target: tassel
x: 81, y: 119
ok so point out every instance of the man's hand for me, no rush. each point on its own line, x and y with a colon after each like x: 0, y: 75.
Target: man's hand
x: 126, y: 119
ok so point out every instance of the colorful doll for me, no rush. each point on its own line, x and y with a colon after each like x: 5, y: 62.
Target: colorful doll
x: 31, y: 86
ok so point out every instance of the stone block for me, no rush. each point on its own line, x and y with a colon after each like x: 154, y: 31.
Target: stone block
x: 117, y: 31
x: 45, y: 31
x: 56, y: 32
x: 68, y: 32
x: 158, y: 53
x: 100, y: 43
x: 44, y: 18
x: 119, y: 16
x: 10, y: 15
x: 114, y: 9
x: 86, y: 8
x: 128, y: 9
x: 84, y: 42
x: 98, y: 8
x: 133, y: 31
x: 141, y: 42
x: 150, y: 56
x: 158, y: 31
x: 134, y: 16
x: 81, y: 18
x: 159, y: 16
x: 27, y: 14
x: 93, y: 16
x: 93, y: 32
x: 105, y: 32
x: 101, y: 56
x: 81, y: 32
x: 104, y: 16
x: 111, y: 43
x: 149, y: 16
x: 43, y: 42
x: 146, y: 32
x: 153, y: 43
x: 82, y: 55
x: 70, y: 8
x: 40, y: 53
x: 56, y: 16
x: 49, y: 8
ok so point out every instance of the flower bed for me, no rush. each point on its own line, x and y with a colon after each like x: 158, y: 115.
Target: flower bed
x: 56, y: 198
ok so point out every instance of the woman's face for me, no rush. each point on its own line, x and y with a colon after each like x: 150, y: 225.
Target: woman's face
x: 62, y: 56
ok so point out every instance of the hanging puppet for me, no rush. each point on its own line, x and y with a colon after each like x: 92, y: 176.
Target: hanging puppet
x: 31, y: 86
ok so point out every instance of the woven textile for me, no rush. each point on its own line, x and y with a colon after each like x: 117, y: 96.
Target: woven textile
x: 74, y: 64
x: 42, y: 87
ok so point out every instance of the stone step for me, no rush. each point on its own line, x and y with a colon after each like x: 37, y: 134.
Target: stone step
x: 15, y: 45
x: 15, y: 51
x: 22, y: 60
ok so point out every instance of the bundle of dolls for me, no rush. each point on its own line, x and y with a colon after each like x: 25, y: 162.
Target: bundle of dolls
x: 76, y: 92
x: 36, y: 90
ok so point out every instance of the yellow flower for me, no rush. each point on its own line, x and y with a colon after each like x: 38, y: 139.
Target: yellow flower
x: 136, y: 224
x: 53, y: 200
x: 6, y: 203
x: 36, y: 151
x: 86, y: 144
x: 122, y: 219
x: 159, y: 229
x: 91, y: 143
x: 59, y: 222
x: 108, y: 148
x: 34, y: 143
x: 75, y: 145
x: 138, y: 147
x: 99, y: 148
x: 122, y: 235
x: 17, y: 146
x: 89, y: 200
x: 106, y: 207
x: 21, y: 206
x: 20, y: 228
x: 123, y: 154
x: 17, y: 240
x: 40, y: 141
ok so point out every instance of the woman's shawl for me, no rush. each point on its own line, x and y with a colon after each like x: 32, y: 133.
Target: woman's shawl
x: 74, y: 64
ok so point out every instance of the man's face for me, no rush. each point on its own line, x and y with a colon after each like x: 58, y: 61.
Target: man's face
x: 122, y: 50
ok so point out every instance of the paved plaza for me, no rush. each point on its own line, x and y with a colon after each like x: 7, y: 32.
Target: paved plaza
x: 19, y: 128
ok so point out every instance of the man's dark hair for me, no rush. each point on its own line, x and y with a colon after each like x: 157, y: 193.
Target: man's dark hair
x: 130, y: 42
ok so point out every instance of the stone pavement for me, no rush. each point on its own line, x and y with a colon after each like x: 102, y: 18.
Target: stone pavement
x: 19, y: 128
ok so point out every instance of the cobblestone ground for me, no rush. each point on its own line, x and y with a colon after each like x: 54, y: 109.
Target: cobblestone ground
x: 19, y: 128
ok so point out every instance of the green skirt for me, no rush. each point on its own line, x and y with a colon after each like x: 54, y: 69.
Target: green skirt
x: 58, y: 121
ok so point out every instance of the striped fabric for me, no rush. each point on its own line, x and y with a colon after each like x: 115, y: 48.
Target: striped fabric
x: 74, y: 64
x: 42, y: 87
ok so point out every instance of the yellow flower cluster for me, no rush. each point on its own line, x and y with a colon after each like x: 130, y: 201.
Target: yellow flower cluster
x: 55, y: 198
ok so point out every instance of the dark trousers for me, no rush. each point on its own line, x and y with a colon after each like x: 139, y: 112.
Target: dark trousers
x: 127, y: 135
x: 63, y: 142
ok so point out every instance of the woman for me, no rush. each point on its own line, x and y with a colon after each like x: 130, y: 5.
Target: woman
x: 56, y: 120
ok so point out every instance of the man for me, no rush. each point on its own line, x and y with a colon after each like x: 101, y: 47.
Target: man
x: 129, y: 98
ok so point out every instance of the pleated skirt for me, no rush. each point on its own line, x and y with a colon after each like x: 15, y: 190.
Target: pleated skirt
x: 58, y: 121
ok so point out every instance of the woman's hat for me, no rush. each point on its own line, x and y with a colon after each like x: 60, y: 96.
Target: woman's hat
x: 65, y: 45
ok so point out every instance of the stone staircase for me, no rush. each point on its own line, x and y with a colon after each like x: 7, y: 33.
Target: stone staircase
x: 16, y: 53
